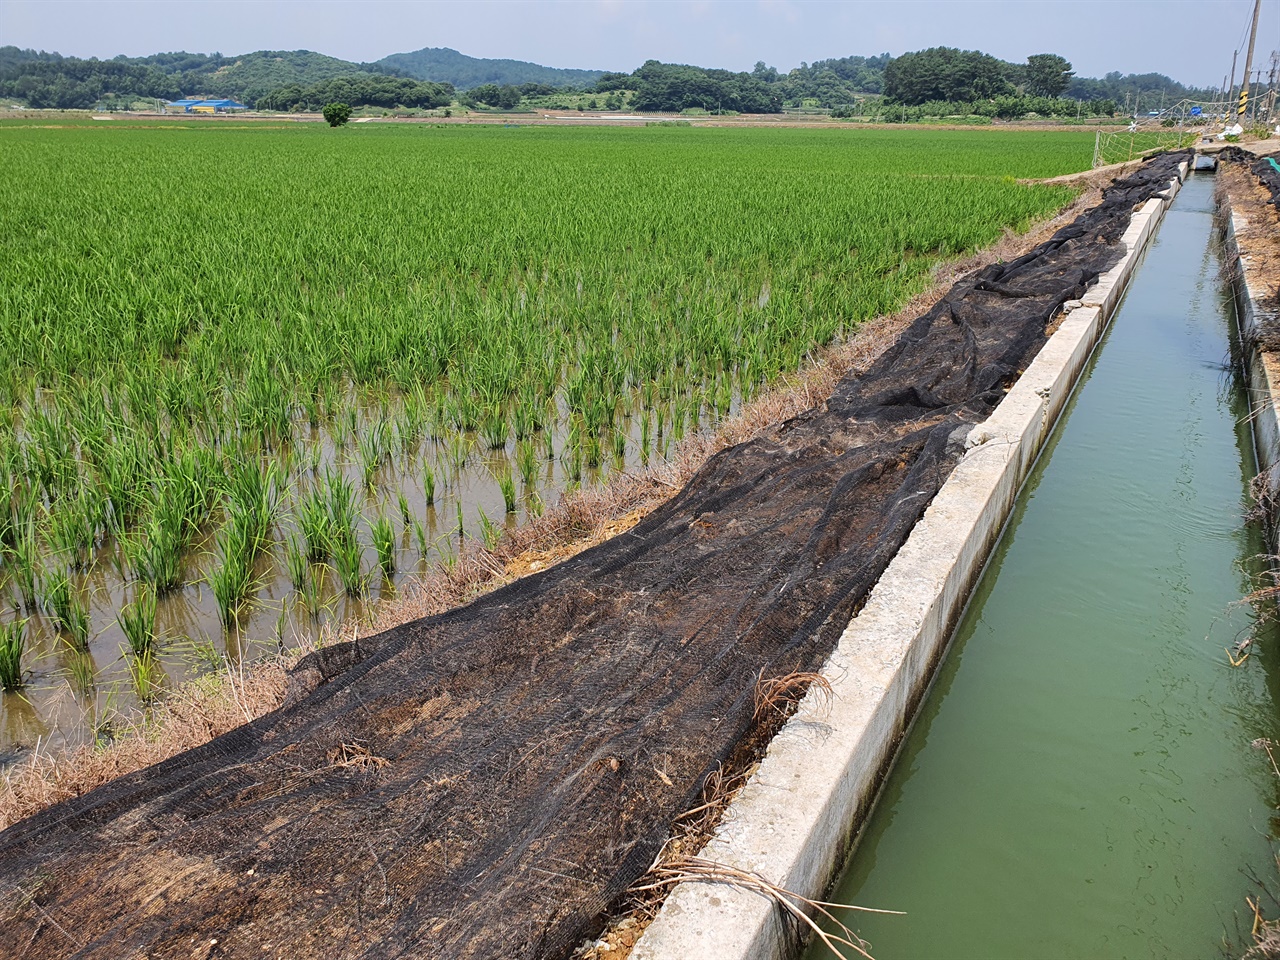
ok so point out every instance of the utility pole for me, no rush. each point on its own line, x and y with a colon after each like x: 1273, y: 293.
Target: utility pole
x: 1271, y: 84
x: 1231, y: 89
x: 1248, y: 60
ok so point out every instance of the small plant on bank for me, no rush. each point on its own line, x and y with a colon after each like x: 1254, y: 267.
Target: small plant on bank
x: 232, y: 580
x: 82, y: 674
x: 13, y: 641
x: 348, y: 561
x: 489, y: 531
x: 155, y: 557
x: 428, y: 483
x: 312, y: 591
x: 507, y: 484
x: 313, y: 520
x: 420, y: 537
x: 24, y: 563
x: 494, y: 428
x: 69, y: 613
x: 138, y: 621
x: 295, y: 562
x: 146, y: 675
x: 384, y: 543
x: 527, y: 460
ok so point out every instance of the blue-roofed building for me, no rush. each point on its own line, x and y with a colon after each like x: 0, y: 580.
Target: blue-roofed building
x: 205, y: 106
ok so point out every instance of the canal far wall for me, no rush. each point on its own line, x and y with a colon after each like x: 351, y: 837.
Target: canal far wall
x: 1249, y: 225
x: 793, y: 822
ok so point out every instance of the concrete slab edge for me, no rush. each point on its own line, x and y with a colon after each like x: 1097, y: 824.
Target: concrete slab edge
x: 1261, y: 367
x: 794, y: 820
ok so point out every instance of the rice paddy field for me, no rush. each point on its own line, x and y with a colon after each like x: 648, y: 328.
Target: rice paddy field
x: 253, y: 376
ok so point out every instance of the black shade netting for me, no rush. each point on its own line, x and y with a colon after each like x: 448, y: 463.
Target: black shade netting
x: 488, y: 782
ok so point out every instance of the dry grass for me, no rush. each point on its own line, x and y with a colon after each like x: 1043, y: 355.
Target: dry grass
x: 195, y: 713
x: 802, y: 910
x: 1264, y: 933
x: 209, y: 707
x: 779, y: 696
x: 1258, y: 238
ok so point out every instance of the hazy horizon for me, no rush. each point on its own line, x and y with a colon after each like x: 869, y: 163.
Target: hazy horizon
x: 1191, y: 42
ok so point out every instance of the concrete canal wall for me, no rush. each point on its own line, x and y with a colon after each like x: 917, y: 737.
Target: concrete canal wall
x: 1262, y: 367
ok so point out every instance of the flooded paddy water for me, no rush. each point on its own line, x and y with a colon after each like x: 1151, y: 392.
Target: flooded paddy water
x: 72, y: 696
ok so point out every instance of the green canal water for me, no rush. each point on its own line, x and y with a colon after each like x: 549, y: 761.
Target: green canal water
x: 1080, y: 782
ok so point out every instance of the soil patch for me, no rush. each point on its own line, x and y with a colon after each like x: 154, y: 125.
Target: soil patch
x: 535, y: 561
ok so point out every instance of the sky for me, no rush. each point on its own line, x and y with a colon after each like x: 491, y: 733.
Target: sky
x: 1189, y: 40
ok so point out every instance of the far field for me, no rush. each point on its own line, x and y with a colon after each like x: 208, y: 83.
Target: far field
x: 252, y: 373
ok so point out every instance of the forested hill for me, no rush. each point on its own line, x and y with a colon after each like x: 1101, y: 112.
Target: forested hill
x: 443, y: 65
x: 50, y: 80
x: 255, y: 74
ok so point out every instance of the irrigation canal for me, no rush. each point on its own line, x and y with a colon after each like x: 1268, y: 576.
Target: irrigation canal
x: 1080, y: 780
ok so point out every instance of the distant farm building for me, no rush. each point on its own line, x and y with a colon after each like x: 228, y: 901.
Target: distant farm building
x: 205, y: 106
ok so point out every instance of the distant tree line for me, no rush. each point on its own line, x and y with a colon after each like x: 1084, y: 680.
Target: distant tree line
x: 1003, y: 107
x: 939, y: 75
x: 358, y: 90
x: 1134, y: 86
x: 948, y: 74
x: 507, y: 96
x: 967, y: 82
x: 670, y: 88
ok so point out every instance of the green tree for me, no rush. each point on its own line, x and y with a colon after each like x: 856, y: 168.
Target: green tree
x: 508, y: 97
x: 764, y: 72
x: 1047, y: 74
x: 336, y: 114
x: 504, y: 98
x: 670, y: 87
x: 944, y: 73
